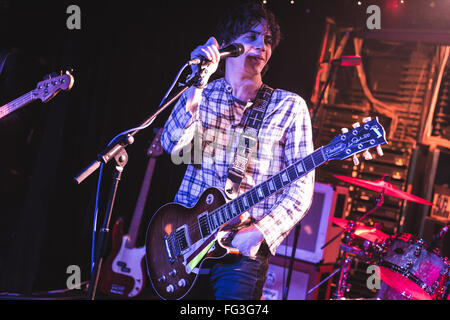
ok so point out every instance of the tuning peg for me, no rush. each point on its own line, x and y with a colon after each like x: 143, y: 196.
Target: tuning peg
x: 356, y: 125
x: 355, y: 160
x: 365, y: 120
x: 380, y: 151
x: 367, y: 155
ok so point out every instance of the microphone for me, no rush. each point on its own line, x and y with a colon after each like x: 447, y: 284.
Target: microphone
x: 233, y: 50
x: 345, y: 61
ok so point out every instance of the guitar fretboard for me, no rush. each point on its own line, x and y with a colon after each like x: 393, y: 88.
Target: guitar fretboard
x: 17, y: 103
x: 262, y: 191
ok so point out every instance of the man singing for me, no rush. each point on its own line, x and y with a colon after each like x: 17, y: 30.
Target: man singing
x: 214, y: 113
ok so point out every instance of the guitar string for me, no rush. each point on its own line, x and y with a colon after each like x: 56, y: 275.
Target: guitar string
x: 253, y: 192
x: 9, y: 107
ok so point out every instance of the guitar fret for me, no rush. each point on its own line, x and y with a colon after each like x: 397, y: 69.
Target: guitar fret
x: 284, y: 178
x: 271, y: 186
x: 245, y: 201
x: 228, y: 212
x: 292, y: 173
x: 309, y: 163
x: 260, y: 192
x: 234, y: 212
x: 214, y: 220
x: 318, y: 157
x: 220, y: 217
x: 299, y: 167
x: 266, y: 190
x: 277, y: 181
x: 253, y: 197
x: 240, y: 205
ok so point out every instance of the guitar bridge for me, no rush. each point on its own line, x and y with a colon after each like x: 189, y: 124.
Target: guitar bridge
x: 171, y: 250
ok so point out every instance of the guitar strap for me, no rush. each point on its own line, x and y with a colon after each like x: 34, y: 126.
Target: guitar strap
x: 248, y: 140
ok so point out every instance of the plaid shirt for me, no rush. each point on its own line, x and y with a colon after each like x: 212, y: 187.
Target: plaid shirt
x: 208, y: 139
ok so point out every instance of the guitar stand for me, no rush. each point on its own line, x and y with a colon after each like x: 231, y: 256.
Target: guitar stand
x: 121, y: 159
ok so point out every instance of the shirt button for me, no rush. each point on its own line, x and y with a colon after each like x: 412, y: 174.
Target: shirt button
x: 229, y: 88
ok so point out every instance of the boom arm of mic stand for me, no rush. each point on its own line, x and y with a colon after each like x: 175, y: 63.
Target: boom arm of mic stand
x: 122, y: 142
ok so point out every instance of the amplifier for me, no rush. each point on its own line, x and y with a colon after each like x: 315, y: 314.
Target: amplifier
x: 316, y: 229
x: 441, y: 204
x: 304, y: 277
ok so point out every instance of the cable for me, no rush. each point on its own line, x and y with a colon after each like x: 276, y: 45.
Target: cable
x: 101, y: 165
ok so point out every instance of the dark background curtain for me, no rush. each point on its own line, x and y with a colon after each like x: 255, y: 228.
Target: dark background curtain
x: 124, y: 59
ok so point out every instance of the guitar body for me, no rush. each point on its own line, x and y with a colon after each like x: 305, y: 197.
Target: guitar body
x: 123, y: 272
x: 170, y: 273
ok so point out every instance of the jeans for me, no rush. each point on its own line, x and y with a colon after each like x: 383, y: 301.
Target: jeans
x: 234, y: 278
x: 240, y: 280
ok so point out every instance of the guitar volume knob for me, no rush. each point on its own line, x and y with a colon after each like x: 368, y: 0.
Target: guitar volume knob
x: 170, y: 288
x: 173, y: 273
x: 182, y: 283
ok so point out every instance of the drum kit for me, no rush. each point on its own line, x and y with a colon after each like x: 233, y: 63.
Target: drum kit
x: 410, y: 267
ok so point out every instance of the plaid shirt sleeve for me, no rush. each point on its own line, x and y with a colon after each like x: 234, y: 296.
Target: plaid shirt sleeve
x: 294, y: 202
x: 179, y: 129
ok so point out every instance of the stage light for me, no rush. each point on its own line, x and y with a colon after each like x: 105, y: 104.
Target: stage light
x: 359, y: 3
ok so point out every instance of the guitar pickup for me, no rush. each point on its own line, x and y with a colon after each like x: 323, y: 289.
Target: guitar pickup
x: 203, y: 223
x: 182, y: 239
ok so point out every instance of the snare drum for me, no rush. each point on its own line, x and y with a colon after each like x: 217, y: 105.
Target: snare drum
x: 409, y: 266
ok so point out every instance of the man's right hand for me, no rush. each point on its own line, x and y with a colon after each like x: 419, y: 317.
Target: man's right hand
x: 209, y: 51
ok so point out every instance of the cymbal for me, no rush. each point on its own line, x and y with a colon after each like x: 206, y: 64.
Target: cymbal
x: 368, y: 233
x: 380, y: 185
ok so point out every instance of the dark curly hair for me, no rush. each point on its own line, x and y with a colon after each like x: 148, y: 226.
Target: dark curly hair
x: 239, y: 20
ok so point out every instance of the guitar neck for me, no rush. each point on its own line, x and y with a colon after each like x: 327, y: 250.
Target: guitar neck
x: 139, y: 210
x: 17, y: 103
x: 267, y: 188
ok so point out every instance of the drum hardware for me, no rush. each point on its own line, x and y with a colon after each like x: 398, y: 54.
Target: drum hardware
x: 349, y: 236
x: 350, y: 230
x: 415, y: 273
x: 410, y: 266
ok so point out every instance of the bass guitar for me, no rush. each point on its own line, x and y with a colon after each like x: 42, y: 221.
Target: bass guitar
x: 45, y: 90
x: 180, y: 239
x: 123, y: 273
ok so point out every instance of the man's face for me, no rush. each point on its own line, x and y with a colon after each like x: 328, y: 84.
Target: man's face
x: 258, y: 50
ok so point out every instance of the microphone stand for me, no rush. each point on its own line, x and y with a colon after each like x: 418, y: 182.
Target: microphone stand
x: 298, y: 226
x: 116, y: 150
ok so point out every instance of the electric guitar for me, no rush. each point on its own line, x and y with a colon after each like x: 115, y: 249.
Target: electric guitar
x: 123, y: 273
x: 45, y: 90
x: 180, y: 239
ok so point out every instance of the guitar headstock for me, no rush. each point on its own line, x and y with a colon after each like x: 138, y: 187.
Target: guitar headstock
x: 155, y: 149
x: 361, y: 138
x: 47, y: 89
